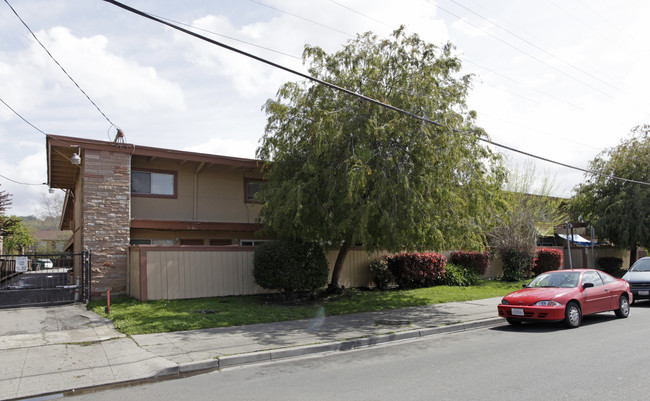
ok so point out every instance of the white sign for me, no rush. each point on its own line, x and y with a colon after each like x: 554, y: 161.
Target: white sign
x: 22, y: 263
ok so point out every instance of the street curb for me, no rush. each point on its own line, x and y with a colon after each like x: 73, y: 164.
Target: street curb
x: 346, y: 345
x: 198, y: 367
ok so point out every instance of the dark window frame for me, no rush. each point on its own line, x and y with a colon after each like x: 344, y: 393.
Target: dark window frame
x: 155, y: 171
x: 248, y: 199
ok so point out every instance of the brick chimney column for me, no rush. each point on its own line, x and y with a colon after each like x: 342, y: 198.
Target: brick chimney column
x: 105, y: 221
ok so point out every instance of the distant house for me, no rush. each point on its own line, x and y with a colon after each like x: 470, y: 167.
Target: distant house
x: 121, y: 195
x: 50, y: 241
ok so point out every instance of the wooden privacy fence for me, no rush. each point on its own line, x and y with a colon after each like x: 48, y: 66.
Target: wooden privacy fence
x: 179, y: 272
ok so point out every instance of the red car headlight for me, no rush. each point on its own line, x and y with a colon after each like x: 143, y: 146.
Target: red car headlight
x: 504, y: 302
x: 547, y: 303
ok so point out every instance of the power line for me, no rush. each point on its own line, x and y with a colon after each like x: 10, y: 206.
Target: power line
x: 21, y: 183
x: 60, y: 66
x: 37, y: 129
x: 229, y: 37
x: 524, y: 52
x: 22, y: 118
x: 535, y: 46
x: 360, y: 13
x: 524, y: 85
x: 302, y: 18
x: 355, y: 94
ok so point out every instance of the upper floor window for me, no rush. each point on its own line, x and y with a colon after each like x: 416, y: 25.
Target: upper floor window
x: 153, y: 183
x: 251, y: 187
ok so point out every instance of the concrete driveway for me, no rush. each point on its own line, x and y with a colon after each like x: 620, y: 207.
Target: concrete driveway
x: 34, y: 326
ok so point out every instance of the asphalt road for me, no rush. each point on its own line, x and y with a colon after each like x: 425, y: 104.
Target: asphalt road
x: 604, y: 359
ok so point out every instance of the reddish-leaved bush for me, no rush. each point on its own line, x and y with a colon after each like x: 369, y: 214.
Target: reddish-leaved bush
x: 416, y: 270
x: 547, y: 259
x: 478, y: 262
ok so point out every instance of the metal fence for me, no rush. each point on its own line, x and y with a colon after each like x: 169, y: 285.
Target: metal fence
x: 44, y: 279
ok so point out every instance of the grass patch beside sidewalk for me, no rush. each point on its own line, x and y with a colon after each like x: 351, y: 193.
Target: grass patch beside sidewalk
x: 131, y: 316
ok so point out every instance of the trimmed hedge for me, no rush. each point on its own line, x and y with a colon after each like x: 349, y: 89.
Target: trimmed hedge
x: 290, y: 266
x: 381, y: 275
x: 516, y: 265
x: 459, y: 276
x: 416, y: 270
x: 547, y: 259
x: 476, y: 261
x: 610, y: 264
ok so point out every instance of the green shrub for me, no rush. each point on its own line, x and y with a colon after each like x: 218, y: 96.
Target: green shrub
x: 476, y: 261
x: 291, y: 266
x: 417, y: 270
x: 547, y: 259
x: 460, y: 276
x: 516, y: 265
x: 610, y: 264
x: 381, y: 275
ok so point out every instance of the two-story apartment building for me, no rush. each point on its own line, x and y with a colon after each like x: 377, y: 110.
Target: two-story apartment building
x: 119, y: 195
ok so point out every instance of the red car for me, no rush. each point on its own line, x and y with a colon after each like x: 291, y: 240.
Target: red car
x: 567, y: 295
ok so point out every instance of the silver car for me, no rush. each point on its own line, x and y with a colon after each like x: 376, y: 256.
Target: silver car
x: 639, y: 278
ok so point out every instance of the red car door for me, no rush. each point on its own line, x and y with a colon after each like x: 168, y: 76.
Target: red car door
x: 614, y: 287
x: 596, y: 298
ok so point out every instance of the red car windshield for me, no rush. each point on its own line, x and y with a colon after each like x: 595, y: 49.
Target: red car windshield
x: 555, y: 279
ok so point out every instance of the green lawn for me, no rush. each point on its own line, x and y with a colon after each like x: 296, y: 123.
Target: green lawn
x: 134, y: 317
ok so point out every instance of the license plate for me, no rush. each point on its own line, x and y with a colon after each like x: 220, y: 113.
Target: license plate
x: 646, y: 293
x: 517, y: 312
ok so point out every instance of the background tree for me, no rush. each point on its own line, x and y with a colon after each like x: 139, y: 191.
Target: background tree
x: 347, y: 172
x: 49, y: 211
x: 48, y: 218
x: 530, y: 212
x: 15, y: 236
x: 19, y: 238
x: 618, y: 210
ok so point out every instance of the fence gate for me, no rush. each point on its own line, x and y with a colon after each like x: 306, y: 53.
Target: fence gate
x: 50, y: 279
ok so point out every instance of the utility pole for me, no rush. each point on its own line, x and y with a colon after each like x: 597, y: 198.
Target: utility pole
x: 592, y: 242
x: 568, y: 242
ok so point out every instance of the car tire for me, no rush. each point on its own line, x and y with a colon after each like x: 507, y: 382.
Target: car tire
x: 623, y: 310
x: 513, y: 322
x: 572, y: 315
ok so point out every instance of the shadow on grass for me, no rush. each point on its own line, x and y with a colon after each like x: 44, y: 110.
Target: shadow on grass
x: 135, y: 317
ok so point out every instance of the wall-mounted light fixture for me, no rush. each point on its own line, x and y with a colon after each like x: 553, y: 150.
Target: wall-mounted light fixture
x: 75, y: 159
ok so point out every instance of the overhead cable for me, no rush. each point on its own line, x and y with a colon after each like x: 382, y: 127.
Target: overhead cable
x: 60, y: 66
x: 22, y: 118
x: 535, y: 46
x: 524, y: 52
x: 356, y: 94
x: 302, y: 18
x: 21, y: 183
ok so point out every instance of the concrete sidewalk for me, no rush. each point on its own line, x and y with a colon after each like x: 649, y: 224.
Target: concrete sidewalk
x: 61, y: 349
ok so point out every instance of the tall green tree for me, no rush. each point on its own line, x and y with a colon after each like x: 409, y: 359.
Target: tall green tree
x: 619, y: 210
x: 18, y: 238
x: 346, y: 172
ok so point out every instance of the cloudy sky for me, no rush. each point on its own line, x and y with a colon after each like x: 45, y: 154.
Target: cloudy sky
x: 562, y: 79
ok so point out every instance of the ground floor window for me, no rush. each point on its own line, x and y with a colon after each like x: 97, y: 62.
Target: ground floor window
x: 140, y: 241
x: 191, y: 241
x: 250, y: 242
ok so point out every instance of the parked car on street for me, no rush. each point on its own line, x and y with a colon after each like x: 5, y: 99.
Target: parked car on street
x: 567, y: 295
x: 639, y: 278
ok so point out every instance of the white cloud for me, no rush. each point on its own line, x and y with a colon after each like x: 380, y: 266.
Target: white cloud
x: 106, y: 77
